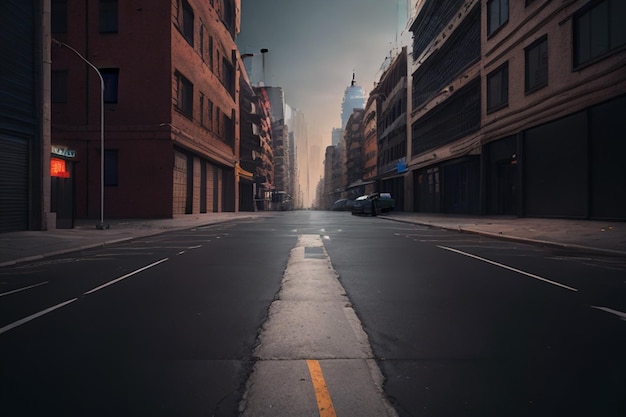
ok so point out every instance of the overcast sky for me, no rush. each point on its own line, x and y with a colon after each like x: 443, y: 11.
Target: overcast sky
x: 315, y: 45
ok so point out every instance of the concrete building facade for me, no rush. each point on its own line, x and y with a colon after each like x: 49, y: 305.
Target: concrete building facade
x: 515, y: 108
x: 391, y: 120
x: 370, y: 143
x: 256, y: 161
x: 552, y: 126
x: 280, y: 139
x: 25, y: 116
x: 354, y: 156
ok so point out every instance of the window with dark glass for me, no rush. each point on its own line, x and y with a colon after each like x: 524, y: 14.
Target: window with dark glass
x: 228, y: 10
x: 111, y: 168
x: 211, y: 53
x: 58, y: 16
x: 497, y: 15
x: 498, y: 88
x: 110, y: 76
x: 184, y: 95
x: 186, y: 21
x: 202, y: 40
x: 537, y: 65
x: 108, y: 16
x: 228, y: 76
x: 58, y: 81
x: 202, y: 109
x: 598, y: 30
x: 210, y: 116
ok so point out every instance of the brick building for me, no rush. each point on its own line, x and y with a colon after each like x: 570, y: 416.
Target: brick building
x: 170, y: 71
x: 353, y: 153
x: 391, y: 118
x: 516, y: 108
x: 256, y: 154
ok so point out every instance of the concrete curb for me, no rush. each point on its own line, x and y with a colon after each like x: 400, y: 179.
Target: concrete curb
x: 113, y: 241
x: 462, y: 229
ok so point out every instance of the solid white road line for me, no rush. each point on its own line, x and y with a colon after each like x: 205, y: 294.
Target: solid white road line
x: 48, y: 310
x: 23, y: 289
x: 519, y: 271
x: 34, y: 316
x: 125, y: 276
x: 610, y: 310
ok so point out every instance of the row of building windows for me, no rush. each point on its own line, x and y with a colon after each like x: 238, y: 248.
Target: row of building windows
x: 211, y: 117
x: 225, y: 70
x: 597, y: 32
x: 598, y: 27
x: 59, y: 85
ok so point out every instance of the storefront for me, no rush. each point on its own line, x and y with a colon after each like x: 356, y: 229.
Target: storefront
x: 62, y: 188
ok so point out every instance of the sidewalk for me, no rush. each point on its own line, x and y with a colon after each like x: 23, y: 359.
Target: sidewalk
x: 18, y: 247
x: 593, y: 235
x: 598, y: 236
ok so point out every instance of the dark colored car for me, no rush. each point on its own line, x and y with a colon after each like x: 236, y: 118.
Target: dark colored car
x: 373, y: 204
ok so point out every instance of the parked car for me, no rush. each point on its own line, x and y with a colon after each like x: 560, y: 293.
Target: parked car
x: 373, y: 204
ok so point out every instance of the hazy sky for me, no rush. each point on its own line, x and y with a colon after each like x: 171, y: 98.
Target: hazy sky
x: 315, y: 45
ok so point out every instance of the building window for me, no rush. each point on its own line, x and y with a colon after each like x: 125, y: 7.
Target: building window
x: 202, y: 40
x: 184, y: 95
x: 497, y: 15
x: 111, y: 168
x: 58, y: 16
x: 209, y: 115
x: 598, y: 30
x: 110, y: 76
x: 58, y: 81
x: 228, y: 11
x: 537, y: 65
x: 202, y: 116
x: 218, y: 123
x: 228, y: 76
x: 186, y: 20
x: 211, y: 53
x: 108, y: 16
x: 498, y: 88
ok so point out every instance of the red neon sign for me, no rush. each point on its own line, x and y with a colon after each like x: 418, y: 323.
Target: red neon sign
x: 58, y: 168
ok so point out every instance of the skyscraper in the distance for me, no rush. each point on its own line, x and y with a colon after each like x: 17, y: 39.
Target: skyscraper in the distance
x: 336, y: 136
x: 354, y: 98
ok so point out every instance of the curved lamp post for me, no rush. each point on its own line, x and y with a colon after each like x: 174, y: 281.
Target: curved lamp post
x: 101, y: 225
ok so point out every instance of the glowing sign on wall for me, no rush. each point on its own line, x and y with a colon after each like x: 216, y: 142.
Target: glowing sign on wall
x: 58, y: 168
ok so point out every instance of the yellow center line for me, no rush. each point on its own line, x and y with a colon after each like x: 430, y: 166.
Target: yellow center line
x: 324, y: 403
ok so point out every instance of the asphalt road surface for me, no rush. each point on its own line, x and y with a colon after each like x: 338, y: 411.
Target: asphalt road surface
x: 314, y: 313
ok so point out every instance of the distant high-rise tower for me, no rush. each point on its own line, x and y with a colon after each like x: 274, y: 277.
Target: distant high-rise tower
x: 336, y: 136
x: 354, y: 98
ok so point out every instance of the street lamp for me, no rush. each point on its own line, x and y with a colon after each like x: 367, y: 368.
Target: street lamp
x: 101, y: 225
x: 263, y: 52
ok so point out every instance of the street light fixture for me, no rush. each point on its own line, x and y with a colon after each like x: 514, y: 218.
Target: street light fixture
x: 101, y: 225
x: 263, y: 52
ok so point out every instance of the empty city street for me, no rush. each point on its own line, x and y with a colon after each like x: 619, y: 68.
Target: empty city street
x: 308, y: 313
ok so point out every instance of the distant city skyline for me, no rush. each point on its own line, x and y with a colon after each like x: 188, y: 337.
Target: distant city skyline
x: 314, y: 48
x: 353, y: 98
